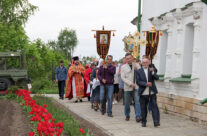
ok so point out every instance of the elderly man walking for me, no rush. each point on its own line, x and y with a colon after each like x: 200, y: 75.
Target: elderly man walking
x: 130, y: 87
x: 145, y: 78
x: 61, y: 76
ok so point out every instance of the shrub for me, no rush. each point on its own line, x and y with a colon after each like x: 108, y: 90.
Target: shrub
x: 12, y: 92
x: 41, y: 84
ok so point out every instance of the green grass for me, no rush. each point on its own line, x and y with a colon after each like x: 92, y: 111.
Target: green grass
x: 2, y: 97
x: 46, y: 91
x: 51, y: 91
x: 71, y: 126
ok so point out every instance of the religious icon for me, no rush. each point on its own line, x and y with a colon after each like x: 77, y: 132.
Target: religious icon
x: 132, y: 43
x: 103, y: 39
x: 131, y: 46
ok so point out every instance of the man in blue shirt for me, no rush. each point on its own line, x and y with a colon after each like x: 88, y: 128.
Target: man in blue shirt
x: 61, y: 76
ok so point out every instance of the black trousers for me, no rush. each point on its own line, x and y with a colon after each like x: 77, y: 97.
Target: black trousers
x: 144, y: 100
x: 61, y: 87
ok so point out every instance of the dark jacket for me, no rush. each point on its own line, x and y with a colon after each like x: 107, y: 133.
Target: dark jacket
x: 142, y: 81
x: 152, y: 65
x: 93, y: 74
x: 61, y: 73
x: 107, y: 74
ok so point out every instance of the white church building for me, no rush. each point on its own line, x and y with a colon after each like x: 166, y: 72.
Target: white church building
x: 181, y: 57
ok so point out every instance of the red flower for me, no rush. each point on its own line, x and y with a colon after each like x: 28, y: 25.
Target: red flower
x: 81, y: 130
x: 61, y: 124
x: 40, y: 113
x: 31, y: 134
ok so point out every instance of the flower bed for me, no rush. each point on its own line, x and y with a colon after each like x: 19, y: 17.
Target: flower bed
x: 39, y: 115
x: 43, y: 121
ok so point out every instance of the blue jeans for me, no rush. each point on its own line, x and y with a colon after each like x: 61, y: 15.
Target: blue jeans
x: 127, y: 101
x: 109, y: 93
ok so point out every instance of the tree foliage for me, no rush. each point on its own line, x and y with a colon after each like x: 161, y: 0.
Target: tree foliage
x: 53, y: 45
x: 12, y: 38
x: 67, y: 41
x: 15, y: 11
x: 41, y: 58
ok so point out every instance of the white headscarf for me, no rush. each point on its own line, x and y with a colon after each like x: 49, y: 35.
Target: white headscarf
x: 99, y: 63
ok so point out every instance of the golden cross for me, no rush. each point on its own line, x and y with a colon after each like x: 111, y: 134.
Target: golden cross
x: 133, y: 42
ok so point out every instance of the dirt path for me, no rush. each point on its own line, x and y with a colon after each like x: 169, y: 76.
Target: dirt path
x: 13, y: 122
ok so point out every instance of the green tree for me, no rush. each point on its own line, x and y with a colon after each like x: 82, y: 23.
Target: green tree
x: 12, y: 38
x: 16, y: 11
x: 67, y: 41
x: 13, y: 15
x: 53, y: 45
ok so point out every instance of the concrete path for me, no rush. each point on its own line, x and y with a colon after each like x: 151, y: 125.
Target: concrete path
x: 171, y: 125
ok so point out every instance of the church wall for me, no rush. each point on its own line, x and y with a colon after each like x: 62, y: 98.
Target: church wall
x: 203, y: 61
x: 182, y: 98
x: 153, y: 8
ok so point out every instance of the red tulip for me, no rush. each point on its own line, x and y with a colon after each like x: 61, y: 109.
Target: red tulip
x: 31, y: 134
x: 81, y: 130
x: 48, y: 127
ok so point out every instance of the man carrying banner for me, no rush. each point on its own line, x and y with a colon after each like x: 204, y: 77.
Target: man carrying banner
x: 130, y: 87
x: 148, y: 91
x: 106, y: 77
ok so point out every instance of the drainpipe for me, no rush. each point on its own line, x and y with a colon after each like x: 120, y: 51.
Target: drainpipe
x: 139, y: 22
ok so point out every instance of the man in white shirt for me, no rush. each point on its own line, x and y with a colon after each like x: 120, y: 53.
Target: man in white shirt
x: 147, y: 91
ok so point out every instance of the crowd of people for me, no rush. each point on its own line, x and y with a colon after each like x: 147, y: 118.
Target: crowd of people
x: 106, y: 83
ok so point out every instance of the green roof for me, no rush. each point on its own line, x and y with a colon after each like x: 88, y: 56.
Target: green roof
x: 205, y: 1
x: 161, y: 77
x: 184, y: 78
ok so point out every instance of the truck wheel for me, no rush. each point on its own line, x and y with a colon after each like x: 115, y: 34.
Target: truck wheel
x: 4, y: 84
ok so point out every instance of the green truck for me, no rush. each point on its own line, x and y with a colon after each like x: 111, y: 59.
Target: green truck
x: 12, y: 70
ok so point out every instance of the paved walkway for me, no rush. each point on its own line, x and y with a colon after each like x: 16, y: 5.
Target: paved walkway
x: 171, y: 125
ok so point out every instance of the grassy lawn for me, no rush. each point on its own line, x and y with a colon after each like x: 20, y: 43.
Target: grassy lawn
x: 51, y: 91
x: 47, y: 91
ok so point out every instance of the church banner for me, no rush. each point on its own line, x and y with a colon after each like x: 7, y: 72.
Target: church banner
x: 103, y: 43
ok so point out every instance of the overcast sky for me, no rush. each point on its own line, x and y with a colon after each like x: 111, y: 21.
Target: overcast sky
x: 83, y: 16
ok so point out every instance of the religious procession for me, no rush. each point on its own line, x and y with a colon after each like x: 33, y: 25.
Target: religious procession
x: 103, y: 82
x: 109, y: 68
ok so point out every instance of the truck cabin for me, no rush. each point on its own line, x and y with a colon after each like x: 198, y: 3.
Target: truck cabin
x: 12, y: 60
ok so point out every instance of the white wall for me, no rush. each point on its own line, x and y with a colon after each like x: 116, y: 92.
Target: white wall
x: 178, y: 49
x: 154, y: 8
x: 203, y: 56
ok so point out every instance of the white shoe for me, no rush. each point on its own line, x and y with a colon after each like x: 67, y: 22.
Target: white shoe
x: 115, y: 102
